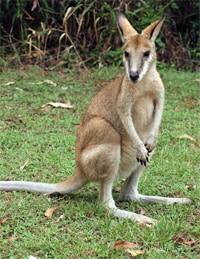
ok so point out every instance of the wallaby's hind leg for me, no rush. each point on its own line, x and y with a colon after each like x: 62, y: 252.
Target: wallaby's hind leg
x: 130, y: 188
x: 130, y: 192
x: 105, y: 194
x: 100, y: 163
x: 107, y: 199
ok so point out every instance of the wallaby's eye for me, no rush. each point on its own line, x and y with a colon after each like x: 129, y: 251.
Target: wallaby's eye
x: 146, y: 54
x: 126, y: 54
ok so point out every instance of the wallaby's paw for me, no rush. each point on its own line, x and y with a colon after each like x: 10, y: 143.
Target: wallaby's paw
x: 150, y: 144
x: 149, y: 147
x: 143, y: 155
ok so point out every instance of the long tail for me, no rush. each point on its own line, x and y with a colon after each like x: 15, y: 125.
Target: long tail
x: 70, y: 185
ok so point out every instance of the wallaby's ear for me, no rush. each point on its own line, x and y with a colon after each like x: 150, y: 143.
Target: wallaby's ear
x: 153, y: 29
x: 125, y: 28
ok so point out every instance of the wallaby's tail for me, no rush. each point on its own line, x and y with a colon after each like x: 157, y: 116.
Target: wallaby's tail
x: 27, y: 186
x: 70, y: 185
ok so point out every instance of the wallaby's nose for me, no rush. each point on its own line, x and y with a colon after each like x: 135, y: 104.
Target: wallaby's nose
x: 134, y: 76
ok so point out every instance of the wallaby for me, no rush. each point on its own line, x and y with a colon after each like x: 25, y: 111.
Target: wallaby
x: 118, y: 133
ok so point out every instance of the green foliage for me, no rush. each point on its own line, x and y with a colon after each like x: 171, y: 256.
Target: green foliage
x: 83, y: 32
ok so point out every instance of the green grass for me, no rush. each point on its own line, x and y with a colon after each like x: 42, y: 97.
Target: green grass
x: 46, y: 138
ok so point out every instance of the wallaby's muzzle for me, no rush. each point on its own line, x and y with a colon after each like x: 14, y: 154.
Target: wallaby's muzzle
x: 134, y: 76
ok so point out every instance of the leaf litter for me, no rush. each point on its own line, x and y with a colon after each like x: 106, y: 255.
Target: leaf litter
x: 186, y: 136
x: 130, y: 247
x: 49, y: 212
x: 24, y: 165
x: 67, y: 105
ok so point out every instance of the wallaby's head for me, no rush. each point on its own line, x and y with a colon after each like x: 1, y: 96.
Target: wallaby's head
x: 139, y: 49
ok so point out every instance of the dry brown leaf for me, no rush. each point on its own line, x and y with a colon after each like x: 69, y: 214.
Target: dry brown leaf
x: 3, y: 221
x: 123, y: 244
x: 50, y: 82
x: 144, y: 225
x: 49, y: 212
x: 194, y: 147
x: 24, y: 165
x: 67, y: 105
x: 186, y: 136
x: 186, y: 104
x: 184, y: 241
x: 134, y: 253
x: 11, y: 239
x: 9, y: 83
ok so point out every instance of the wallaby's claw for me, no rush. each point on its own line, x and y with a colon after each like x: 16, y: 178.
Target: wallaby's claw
x: 142, y: 162
x: 142, y: 155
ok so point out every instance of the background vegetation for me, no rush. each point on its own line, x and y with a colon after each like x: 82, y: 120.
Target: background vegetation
x: 84, y: 33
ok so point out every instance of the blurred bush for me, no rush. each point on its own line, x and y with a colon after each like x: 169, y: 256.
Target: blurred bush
x: 84, y: 32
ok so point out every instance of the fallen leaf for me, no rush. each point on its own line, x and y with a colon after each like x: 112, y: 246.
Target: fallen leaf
x: 9, y: 83
x: 144, y: 224
x: 67, y: 105
x: 45, y: 81
x: 24, y: 165
x: 49, y: 212
x: 186, y: 136
x: 189, y: 242
x: 11, y: 239
x: 61, y: 217
x: 49, y: 82
x: 184, y: 241
x: 134, y: 253
x: 123, y: 244
x: 2, y: 221
x: 12, y: 120
x: 194, y: 147
x: 187, y: 104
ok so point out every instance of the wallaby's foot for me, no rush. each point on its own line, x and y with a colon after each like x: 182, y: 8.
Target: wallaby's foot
x: 153, y: 199
x: 133, y: 216
x: 113, y: 210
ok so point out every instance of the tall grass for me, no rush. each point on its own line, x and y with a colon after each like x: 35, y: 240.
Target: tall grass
x: 84, y: 32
